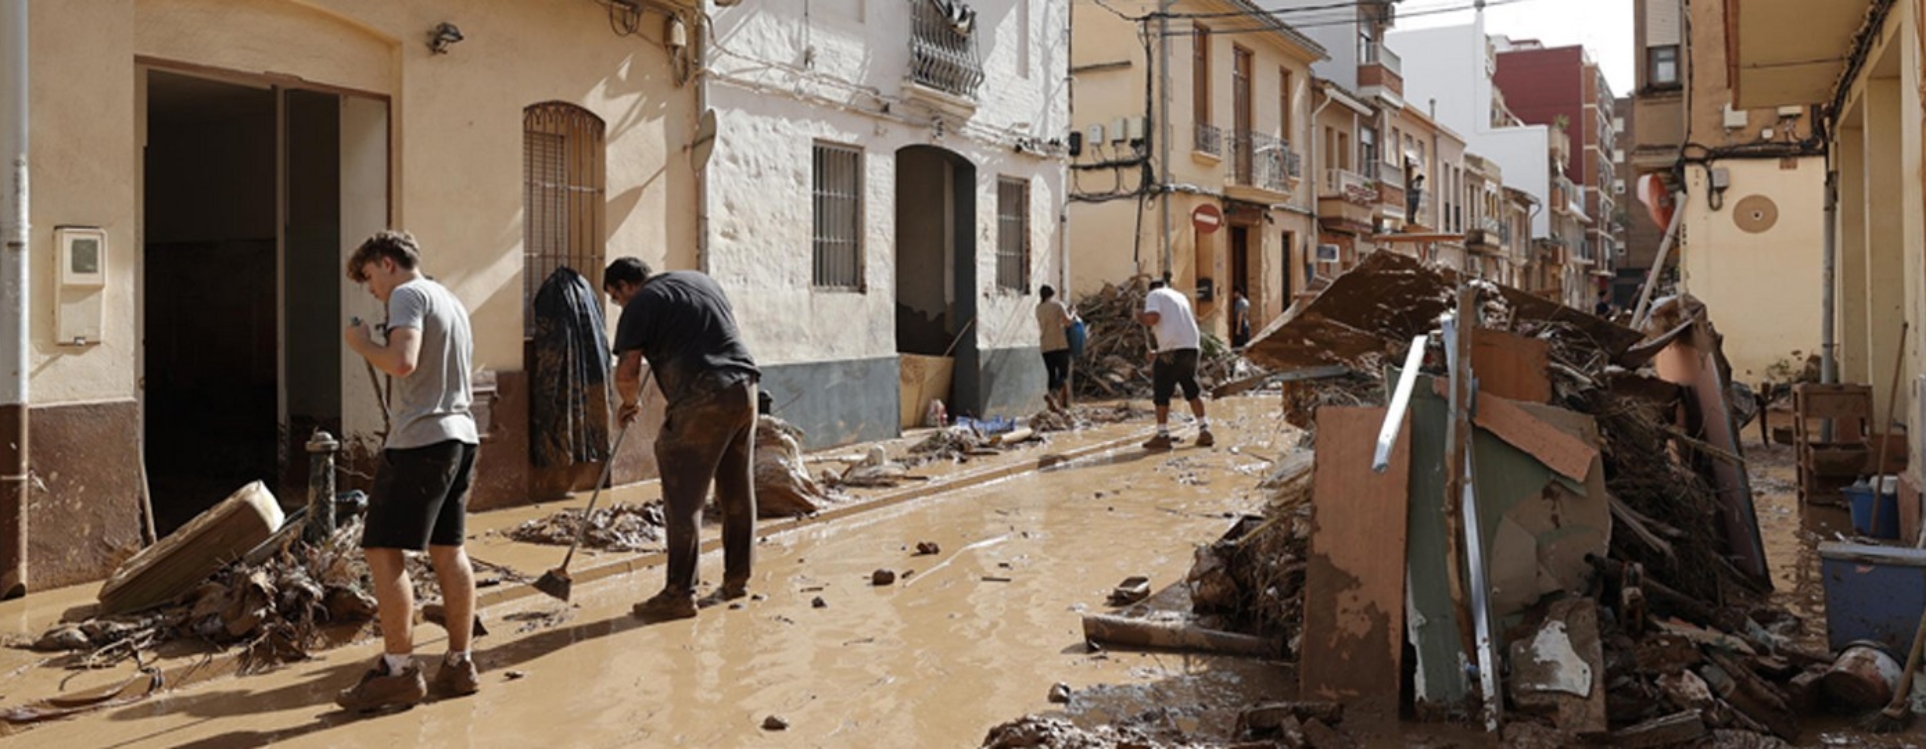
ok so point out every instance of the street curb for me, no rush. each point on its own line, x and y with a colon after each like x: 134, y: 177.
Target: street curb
x: 640, y: 562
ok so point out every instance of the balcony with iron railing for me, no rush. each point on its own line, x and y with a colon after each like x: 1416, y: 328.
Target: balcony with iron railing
x: 945, y: 68
x: 1265, y: 162
x: 1208, y: 139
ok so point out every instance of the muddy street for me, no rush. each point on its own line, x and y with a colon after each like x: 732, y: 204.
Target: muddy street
x: 963, y: 640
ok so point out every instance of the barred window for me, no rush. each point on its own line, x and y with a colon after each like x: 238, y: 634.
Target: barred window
x: 1013, y: 234
x: 838, y: 230
x: 563, y: 173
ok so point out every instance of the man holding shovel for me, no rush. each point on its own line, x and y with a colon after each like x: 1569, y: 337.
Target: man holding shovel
x: 683, y: 324
x: 420, y: 493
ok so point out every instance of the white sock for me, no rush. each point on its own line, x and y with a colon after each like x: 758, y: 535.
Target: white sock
x: 396, y: 663
x: 1163, y: 430
x: 457, y: 656
x: 1203, y: 424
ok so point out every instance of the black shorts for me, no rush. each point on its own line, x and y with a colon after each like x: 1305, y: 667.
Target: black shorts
x: 1056, y: 367
x: 1174, y: 369
x: 420, y: 497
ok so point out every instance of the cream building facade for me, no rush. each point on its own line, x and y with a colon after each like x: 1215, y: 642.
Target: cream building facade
x: 207, y: 165
x: 1235, y: 186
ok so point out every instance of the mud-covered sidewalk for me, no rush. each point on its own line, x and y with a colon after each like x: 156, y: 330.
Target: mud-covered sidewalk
x: 960, y: 505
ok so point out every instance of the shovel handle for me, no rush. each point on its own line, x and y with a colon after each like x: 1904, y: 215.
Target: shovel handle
x: 608, y: 468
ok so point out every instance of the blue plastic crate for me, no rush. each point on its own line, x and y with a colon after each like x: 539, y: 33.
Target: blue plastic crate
x: 1873, y: 593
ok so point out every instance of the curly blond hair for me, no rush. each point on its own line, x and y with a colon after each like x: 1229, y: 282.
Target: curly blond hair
x: 397, y: 245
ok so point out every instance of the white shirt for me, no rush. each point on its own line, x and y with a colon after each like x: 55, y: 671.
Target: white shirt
x: 1176, y: 325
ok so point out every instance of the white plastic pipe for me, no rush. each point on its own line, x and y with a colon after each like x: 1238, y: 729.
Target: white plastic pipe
x: 13, y: 212
x: 1400, y: 403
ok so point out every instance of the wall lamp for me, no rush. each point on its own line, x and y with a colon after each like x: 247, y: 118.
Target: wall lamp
x: 443, y: 36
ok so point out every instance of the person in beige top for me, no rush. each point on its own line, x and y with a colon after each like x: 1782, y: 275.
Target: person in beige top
x: 1053, y: 322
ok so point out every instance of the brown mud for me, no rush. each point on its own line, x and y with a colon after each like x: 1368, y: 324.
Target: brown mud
x: 936, y: 659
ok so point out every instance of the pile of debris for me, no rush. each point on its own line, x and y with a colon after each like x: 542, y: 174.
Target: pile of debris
x: 618, y: 527
x: 277, y: 608
x: 783, y: 485
x: 1613, y: 523
x: 1116, y: 354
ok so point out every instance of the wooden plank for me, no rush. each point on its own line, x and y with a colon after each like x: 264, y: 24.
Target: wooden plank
x: 1354, y: 583
x: 1512, y: 366
x: 1558, y: 450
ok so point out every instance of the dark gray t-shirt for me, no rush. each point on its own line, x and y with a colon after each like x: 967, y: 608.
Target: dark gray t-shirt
x: 682, y: 324
x: 431, y: 403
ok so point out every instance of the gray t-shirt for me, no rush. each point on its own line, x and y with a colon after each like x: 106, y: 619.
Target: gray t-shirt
x: 431, y: 403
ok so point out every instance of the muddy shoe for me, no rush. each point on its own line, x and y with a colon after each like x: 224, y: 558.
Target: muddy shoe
x: 666, y: 605
x: 379, y: 689
x: 1160, y: 442
x: 1204, y: 439
x: 457, y: 679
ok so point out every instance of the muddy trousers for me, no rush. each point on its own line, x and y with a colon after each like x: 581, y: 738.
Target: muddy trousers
x: 709, y: 434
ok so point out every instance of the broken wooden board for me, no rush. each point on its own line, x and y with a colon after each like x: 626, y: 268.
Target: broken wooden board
x: 1174, y: 635
x: 186, y: 557
x: 1352, y: 647
x: 1560, y: 669
x: 1512, y: 366
x: 1559, y: 450
x: 1672, y: 730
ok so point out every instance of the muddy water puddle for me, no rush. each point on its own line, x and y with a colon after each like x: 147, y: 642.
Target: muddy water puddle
x: 963, y: 640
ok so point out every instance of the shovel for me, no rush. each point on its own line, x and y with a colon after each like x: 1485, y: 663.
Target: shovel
x: 556, y: 582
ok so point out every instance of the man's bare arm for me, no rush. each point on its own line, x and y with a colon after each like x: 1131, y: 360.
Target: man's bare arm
x: 398, y: 357
x: 628, y: 385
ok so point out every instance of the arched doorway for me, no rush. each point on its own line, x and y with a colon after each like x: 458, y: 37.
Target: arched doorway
x: 936, y: 266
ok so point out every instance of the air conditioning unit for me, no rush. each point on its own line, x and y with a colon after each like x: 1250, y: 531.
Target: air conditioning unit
x: 1327, y: 253
x: 1792, y: 112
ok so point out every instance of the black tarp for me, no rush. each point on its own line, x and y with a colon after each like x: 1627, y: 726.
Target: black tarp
x: 570, y: 390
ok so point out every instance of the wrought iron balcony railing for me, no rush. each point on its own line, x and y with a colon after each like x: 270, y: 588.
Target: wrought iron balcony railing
x: 943, y: 52
x: 1266, y: 162
x: 1209, y: 139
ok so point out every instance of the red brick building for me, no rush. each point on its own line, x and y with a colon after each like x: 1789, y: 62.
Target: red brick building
x: 1563, y: 86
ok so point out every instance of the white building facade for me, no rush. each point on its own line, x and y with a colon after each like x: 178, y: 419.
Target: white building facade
x: 1448, y: 71
x: 888, y: 178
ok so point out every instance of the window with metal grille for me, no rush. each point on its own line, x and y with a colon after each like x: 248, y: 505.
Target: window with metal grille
x: 563, y: 178
x: 838, y: 190
x: 1013, y: 234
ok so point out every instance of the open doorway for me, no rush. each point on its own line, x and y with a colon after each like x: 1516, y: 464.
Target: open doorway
x: 242, y: 289
x: 936, y: 266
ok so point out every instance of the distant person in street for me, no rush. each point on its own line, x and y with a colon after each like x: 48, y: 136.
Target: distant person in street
x: 1053, y: 321
x: 1174, y: 363
x: 682, y: 323
x: 1603, y: 308
x: 1240, y: 319
x: 420, y: 497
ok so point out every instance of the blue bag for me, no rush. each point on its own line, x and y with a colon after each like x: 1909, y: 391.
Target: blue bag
x: 1077, y: 337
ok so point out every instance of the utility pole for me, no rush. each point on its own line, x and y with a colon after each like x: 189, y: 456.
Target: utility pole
x: 1163, y: 128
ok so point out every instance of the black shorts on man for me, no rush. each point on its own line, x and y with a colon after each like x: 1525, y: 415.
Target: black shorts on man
x: 420, y: 497
x: 1174, y: 369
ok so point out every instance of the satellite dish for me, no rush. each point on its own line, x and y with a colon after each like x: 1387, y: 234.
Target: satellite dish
x: 705, y: 141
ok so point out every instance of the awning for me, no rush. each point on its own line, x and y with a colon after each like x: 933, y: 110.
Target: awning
x: 1789, y: 52
x: 1420, y: 237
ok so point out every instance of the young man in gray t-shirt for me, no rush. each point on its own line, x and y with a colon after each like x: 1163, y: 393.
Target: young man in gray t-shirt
x: 420, y: 493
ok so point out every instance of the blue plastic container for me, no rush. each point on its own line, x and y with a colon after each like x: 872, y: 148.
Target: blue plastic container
x: 1874, y: 517
x: 1873, y: 593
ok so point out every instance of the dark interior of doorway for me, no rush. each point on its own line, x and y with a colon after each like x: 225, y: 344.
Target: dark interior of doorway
x: 936, y: 266
x: 212, y: 298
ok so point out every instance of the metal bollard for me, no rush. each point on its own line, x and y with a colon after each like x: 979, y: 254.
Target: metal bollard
x: 321, y: 449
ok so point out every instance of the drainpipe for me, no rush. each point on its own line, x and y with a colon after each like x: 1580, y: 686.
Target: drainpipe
x: 1828, y: 343
x: 1163, y: 126
x: 1317, y: 185
x: 14, y: 467
x: 699, y: 69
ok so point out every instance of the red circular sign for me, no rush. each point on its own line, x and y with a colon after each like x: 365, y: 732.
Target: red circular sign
x: 1207, y: 218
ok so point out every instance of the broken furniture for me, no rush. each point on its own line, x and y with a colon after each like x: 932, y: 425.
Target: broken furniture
x: 186, y: 557
x: 1827, y: 466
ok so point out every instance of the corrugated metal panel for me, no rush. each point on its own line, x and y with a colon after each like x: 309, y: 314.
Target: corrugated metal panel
x: 1663, y: 23
x: 564, y: 178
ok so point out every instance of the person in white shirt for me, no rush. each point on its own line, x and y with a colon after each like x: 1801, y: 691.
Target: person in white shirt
x: 1174, y: 363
